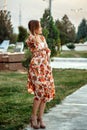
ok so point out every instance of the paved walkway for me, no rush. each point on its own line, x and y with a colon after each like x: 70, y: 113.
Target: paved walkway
x: 69, y: 63
x: 71, y: 114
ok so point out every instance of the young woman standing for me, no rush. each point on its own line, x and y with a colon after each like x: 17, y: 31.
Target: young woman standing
x: 40, y: 79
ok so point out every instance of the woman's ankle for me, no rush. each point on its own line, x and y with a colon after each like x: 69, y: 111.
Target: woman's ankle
x: 34, y: 116
x: 39, y: 116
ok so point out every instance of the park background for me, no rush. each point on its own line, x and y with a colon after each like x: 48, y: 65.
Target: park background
x: 64, y: 25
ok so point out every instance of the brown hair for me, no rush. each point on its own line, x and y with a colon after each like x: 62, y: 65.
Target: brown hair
x: 33, y: 25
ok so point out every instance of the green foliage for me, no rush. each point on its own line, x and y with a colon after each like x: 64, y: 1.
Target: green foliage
x: 45, y: 19
x: 45, y: 32
x: 22, y: 34
x: 14, y: 38
x: 50, y: 31
x: 82, y: 30
x: 66, y: 29
x: 6, y: 29
x: 27, y: 59
x: 70, y: 46
x: 59, y: 45
x: 52, y: 37
x: 85, y: 39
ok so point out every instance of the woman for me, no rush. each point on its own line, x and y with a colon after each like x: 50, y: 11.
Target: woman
x: 40, y: 79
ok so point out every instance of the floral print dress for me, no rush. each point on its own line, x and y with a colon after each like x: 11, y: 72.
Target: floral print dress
x: 40, y: 79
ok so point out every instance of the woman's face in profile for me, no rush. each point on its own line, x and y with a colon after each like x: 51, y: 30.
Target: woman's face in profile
x: 39, y: 30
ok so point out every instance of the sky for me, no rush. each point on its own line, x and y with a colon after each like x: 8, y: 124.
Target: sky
x: 34, y: 9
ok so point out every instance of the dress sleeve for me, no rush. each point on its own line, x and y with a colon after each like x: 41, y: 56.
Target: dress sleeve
x: 46, y: 45
x: 48, y: 51
x: 44, y: 40
x: 31, y: 44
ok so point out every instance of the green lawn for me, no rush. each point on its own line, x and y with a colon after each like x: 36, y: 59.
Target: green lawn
x: 16, y: 103
x: 76, y: 54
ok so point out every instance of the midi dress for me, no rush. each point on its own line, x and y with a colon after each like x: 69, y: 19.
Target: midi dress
x: 40, y: 79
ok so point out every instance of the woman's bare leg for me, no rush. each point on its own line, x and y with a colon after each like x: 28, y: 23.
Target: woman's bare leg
x: 33, y: 120
x: 36, y: 104
x: 41, y: 109
x: 40, y: 114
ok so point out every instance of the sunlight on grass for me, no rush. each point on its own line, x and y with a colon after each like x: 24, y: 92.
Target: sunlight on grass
x: 73, y: 54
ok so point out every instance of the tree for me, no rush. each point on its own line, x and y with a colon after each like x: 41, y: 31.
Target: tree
x: 6, y: 28
x: 14, y: 38
x: 45, y: 19
x: 67, y: 30
x: 82, y: 30
x: 50, y: 31
x: 22, y: 34
x: 63, y: 36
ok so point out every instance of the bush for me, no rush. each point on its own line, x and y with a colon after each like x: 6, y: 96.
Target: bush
x: 22, y: 35
x: 71, y: 46
x: 13, y: 38
x: 26, y: 61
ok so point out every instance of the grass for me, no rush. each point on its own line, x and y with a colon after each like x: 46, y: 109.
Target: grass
x: 16, y: 103
x: 74, y: 54
x: 11, y: 49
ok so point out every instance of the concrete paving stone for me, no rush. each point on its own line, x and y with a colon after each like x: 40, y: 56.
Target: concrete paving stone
x: 71, y: 114
x: 69, y: 63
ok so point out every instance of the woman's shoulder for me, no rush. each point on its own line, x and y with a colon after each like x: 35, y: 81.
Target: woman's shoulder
x: 30, y: 39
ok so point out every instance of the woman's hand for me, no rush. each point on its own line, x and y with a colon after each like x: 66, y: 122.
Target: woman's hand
x: 46, y: 49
